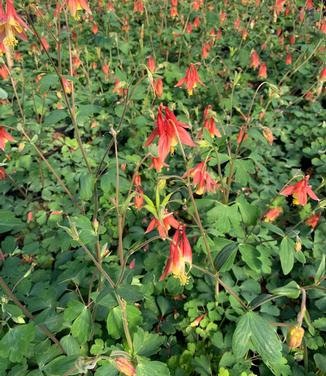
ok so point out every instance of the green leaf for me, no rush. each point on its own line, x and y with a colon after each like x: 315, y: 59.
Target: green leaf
x: 321, y: 269
x: 148, y: 368
x: 147, y: 344
x: 241, y: 337
x: 80, y: 328
x: 225, y: 259
x: 62, y: 365
x: 291, y: 290
x: 249, y: 212
x: 15, y: 344
x: 9, y: 222
x: 86, y: 184
x: 3, y: 94
x: 250, y: 256
x: 287, y: 255
x: 70, y: 345
x: 55, y: 116
x: 320, y: 361
x: 114, y: 320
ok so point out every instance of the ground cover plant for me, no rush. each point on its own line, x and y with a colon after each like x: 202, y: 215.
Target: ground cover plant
x: 162, y: 182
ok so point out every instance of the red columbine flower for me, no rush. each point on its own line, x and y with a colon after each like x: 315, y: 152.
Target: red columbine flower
x: 138, y: 6
x: 288, y: 59
x: 201, y: 179
x: 242, y: 135
x: 322, y: 76
x: 75, y: 5
x: 158, y: 164
x: 11, y: 25
x: 4, y: 72
x: 151, y: 64
x: 180, y: 255
x: 273, y: 214
x: 158, y: 87
x: 139, y: 198
x: 262, y: 71
x: 4, y: 138
x: 209, y: 122
x: 254, y: 60
x: 168, y: 129
x: 2, y: 173
x: 163, y: 226
x: 313, y: 220
x: 191, y: 79
x: 299, y: 191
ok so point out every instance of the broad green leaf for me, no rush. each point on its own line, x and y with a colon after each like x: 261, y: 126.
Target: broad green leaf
x: 114, y: 320
x: 3, y: 94
x: 241, y: 337
x: 80, y: 328
x: 9, y: 222
x: 287, y: 255
x: 148, y: 368
x: 321, y: 269
x: 147, y: 344
x: 70, y: 345
x: 15, y: 344
x: 225, y: 259
x: 55, y: 117
x: 62, y: 365
x: 320, y: 361
x: 249, y: 212
x: 250, y: 256
x: 86, y: 184
x: 291, y: 290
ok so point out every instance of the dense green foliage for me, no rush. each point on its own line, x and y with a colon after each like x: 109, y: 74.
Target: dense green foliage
x: 79, y: 274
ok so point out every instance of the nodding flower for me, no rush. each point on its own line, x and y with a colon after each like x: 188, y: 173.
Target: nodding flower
x: 180, y: 255
x: 76, y: 5
x: 11, y: 25
x: 170, y: 131
x: 201, y: 179
x: 299, y: 191
x: 163, y: 225
x: 191, y: 79
x: 4, y: 138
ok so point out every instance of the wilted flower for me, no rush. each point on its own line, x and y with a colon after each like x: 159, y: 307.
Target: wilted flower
x: 138, y: 6
x: 242, y: 135
x: 295, y: 337
x: 158, y: 87
x: 299, y: 191
x: 268, y: 134
x: 151, y: 64
x: 139, y: 198
x: 4, y: 138
x: 180, y: 255
x: 125, y: 366
x: 191, y: 79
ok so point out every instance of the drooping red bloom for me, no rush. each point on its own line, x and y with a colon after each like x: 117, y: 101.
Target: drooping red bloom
x: 223, y: 17
x: 288, y: 59
x: 180, y: 255
x: 169, y: 130
x: 158, y: 87
x: 191, y: 79
x: 75, y: 5
x: 196, y: 23
x: 205, y: 50
x: 163, y: 225
x: 2, y: 173
x: 242, y: 135
x: 106, y: 69
x: 299, y: 191
x: 322, y: 76
x: 139, y: 198
x: 262, y: 73
x: 138, y: 6
x: 201, y: 179
x: 4, y: 72
x: 209, y: 122
x: 95, y: 28
x: 313, y: 220
x: 158, y: 164
x: 268, y: 134
x: 254, y: 60
x: 151, y: 64
x: 278, y: 7
x: 11, y: 25
x: 137, y: 180
x: 174, y: 12
x: 272, y: 214
x: 4, y: 138
x: 309, y: 4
